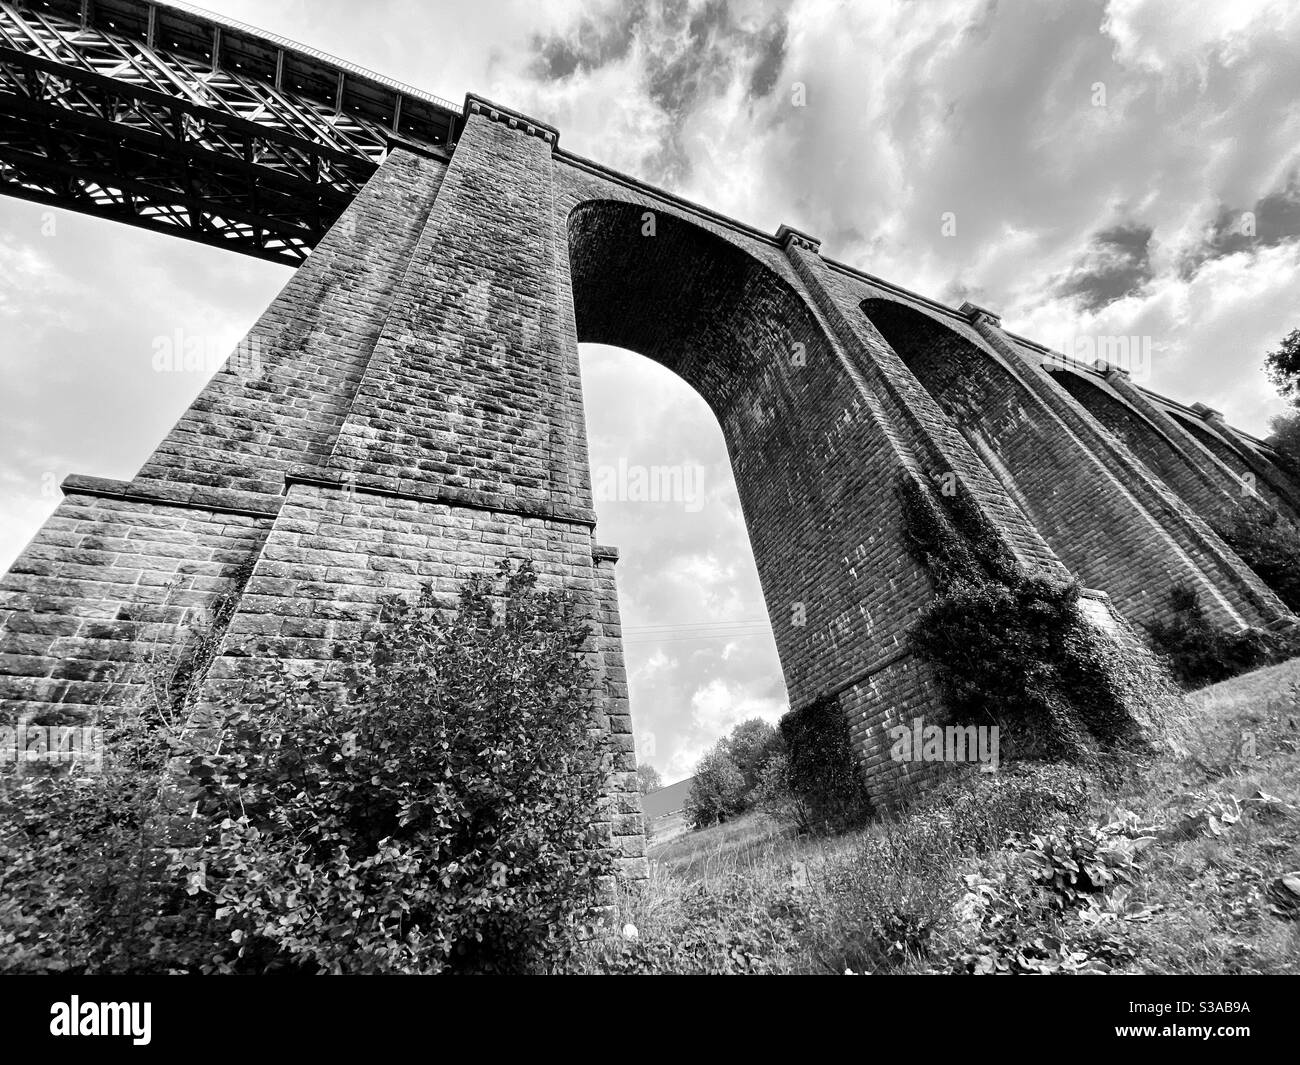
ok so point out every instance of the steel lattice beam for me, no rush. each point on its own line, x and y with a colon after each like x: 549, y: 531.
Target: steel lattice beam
x: 169, y: 118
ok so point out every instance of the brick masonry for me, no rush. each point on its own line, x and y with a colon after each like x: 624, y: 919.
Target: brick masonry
x: 412, y: 412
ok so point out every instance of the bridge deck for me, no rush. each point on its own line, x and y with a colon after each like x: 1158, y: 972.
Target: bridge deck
x: 167, y: 117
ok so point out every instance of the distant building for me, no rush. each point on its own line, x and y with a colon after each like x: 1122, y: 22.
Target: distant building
x: 665, y: 801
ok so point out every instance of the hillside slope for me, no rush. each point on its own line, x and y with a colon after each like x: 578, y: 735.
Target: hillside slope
x: 1191, y: 864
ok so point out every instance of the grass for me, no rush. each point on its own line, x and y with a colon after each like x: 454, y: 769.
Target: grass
x: 1167, y: 871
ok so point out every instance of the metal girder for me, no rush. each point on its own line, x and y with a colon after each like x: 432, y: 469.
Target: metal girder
x: 169, y: 118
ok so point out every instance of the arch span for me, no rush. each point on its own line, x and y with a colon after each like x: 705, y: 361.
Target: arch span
x: 1098, y: 529
x: 814, y: 468
x: 1147, y: 442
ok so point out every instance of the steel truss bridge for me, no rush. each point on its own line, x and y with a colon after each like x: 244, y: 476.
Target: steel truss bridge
x: 168, y: 117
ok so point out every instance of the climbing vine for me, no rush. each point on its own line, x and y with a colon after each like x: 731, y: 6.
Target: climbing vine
x: 1013, y: 649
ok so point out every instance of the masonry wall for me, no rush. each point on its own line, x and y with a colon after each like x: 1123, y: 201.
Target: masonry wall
x: 285, y: 391
x: 102, y: 597
x: 1115, y: 526
x: 1233, y: 459
x: 1208, y: 495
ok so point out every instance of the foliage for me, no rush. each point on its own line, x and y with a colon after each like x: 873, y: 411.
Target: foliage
x: 1284, y: 435
x: 1015, y: 650
x: 1075, y: 863
x: 1283, y: 365
x: 731, y: 927
x: 83, y: 870
x: 750, y: 746
x: 1268, y: 543
x: 1040, y: 868
x: 822, y: 772
x: 176, y: 672
x: 717, y: 792
x: 1200, y: 653
x: 887, y: 902
x: 978, y: 812
x: 84, y: 884
x: 727, y: 780
x: 648, y: 779
x: 772, y: 794
x: 436, y: 813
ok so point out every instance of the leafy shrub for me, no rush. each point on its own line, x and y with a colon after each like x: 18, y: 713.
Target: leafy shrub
x: 886, y: 899
x: 1268, y: 543
x: 1009, y: 928
x: 1200, y: 653
x: 978, y: 812
x: 822, y: 772
x: 83, y: 870
x: 436, y: 813
x: 1016, y: 650
x: 772, y: 794
x: 1075, y: 863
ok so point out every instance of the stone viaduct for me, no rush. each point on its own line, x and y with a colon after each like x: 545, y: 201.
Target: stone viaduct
x: 409, y: 410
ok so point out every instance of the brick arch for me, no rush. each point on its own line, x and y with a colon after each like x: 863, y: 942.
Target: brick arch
x: 1092, y: 523
x: 1217, y: 447
x: 815, y: 468
x: 685, y: 297
x: 1268, y: 480
x: 1153, y: 447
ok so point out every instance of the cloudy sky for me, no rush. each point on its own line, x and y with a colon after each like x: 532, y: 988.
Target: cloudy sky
x: 1123, y: 168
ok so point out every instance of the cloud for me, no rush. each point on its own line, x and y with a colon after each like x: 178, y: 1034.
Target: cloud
x: 1274, y: 219
x: 1117, y: 263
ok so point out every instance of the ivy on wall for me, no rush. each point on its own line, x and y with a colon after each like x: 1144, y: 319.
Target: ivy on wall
x: 1267, y: 542
x: 1013, y: 649
x: 822, y: 770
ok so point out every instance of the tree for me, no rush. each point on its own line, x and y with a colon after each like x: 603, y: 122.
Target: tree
x: 1283, y: 366
x: 1267, y: 542
x: 1285, y: 436
x: 750, y: 745
x: 648, y: 779
x: 717, y: 792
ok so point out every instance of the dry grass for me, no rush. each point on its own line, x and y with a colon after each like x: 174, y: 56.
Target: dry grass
x: 1238, y: 740
x: 750, y: 896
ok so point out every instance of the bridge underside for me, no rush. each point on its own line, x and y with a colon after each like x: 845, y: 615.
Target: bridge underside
x: 168, y: 119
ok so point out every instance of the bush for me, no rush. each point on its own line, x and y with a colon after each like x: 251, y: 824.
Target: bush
x: 886, y: 899
x: 978, y: 812
x: 1199, y: 653
x: 436, y: 814
x: 84, y: 885
x: 727, y: 779
x: 822, y: 772
x: 1268, y: 543
x: 1014, y: 649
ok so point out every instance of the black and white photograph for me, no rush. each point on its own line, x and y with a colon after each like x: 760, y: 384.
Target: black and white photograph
x: 649, y: 487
